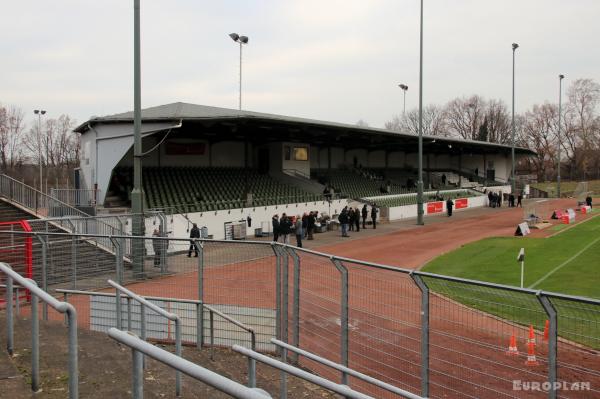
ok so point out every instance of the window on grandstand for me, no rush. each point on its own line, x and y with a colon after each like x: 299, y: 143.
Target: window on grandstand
x: 300, y: 154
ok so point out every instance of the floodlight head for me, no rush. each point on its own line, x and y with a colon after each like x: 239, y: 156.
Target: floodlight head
x: 36, y: 111
x: 403, y: 86
x: 244, y: 39
x: 561, y: 76
x: 234, y: 36
x: 515, y: 46
x: 43, y: 112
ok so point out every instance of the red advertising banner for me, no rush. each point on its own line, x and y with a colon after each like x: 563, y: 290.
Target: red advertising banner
x: 461, y: 203
x: 435, y: 207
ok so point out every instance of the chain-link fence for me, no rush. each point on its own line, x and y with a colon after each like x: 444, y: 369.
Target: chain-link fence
x: 433, y: 335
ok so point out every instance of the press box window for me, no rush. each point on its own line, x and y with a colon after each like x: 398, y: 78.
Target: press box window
x: 300, y: 154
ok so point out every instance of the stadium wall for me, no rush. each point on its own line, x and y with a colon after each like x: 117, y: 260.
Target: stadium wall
x: 410, y: 211
x: 261, y: 217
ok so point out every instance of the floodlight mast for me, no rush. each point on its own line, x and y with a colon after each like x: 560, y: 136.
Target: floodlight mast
x: 241, y: 40
x: 137, y: 194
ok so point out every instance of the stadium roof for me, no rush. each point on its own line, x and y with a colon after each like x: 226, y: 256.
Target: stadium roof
x: 186, y: 112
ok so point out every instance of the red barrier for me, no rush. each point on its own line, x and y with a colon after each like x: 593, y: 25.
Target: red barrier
x: 17, y: 249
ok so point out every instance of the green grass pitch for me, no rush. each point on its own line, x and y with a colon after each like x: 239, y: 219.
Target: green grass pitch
x: 568, y: 262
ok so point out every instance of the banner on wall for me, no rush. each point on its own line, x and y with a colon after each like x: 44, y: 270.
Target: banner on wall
x: 435, y: 207
x: 461, y: 203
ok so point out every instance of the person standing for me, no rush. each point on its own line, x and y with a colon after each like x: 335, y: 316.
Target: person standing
x: 351, y: 218
x: 374, y: 212
x: 357, y: 218
x: 305, y: 225
x: 490, y: 199
x: 312, y: 220
x: 343, y: 219
x: 285, y: 227
x: 520, y: 200
x: 156, y: 246
x: 449, y: 205
x: 275, y: 222
x: 299, y: 231
x: 365, y: 213
x: 194, y: 233
x: 588, y: 201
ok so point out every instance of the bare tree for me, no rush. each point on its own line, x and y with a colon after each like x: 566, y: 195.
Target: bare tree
x: 498, y: 122
x: 434, y: 123
x: 584, y: 96
x: 362, y: 123
x: 12, y: 126
x: 539, y: 134
x: 465, y: 115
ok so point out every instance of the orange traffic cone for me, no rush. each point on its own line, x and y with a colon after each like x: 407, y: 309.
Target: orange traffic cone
x: 531, y: 339
x: 531, y: 360
x: 512, y: 348
x: 546, y: 330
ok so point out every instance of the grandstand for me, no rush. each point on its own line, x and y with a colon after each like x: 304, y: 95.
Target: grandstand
x: 216, y: 166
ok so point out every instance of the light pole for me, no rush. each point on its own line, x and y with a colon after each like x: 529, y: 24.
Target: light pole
x: 560, y: 78
x: 137, y: 194
x: 404, y: 88
x: 241, y: 40
x: 39, y: 113
x: 515, y: 46
x: 420, y: 175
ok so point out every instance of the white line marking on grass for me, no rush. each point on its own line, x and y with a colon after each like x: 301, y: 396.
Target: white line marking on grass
x: 551, y: 272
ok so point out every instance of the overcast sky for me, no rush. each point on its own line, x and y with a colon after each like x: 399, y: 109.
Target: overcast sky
x: 332, y: 60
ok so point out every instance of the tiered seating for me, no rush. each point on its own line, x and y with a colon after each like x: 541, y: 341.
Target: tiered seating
x: 358, y: 183
x: 191, y: 189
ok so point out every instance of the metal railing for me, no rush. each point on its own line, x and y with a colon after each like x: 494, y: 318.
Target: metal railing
x: 199, y: 316
x: 434, y: 323
x: 340, y: 389
x: 140, y: 348
x: 36, y: 201
x: 62, y: 307
x: 76, y: 197
x: 156, y: 309
x: 348, y: 371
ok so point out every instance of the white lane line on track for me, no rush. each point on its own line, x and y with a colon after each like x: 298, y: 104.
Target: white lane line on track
x: 551, y: 272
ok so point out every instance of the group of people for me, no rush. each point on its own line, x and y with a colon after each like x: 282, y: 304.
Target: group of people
x: 302, y: 226
x: 349, y: 218
x: 495, y: 200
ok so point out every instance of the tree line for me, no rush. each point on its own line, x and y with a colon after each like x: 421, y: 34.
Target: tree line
x: 476, y: 118
x: 24, y: 143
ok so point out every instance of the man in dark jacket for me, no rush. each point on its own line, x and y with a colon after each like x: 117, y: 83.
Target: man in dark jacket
x: 374, y: 212
x: 194, y: 233
x: 588, y: 201
x: 357, y: 218
x: 312, y: 220
x: 365, y: 213
x: 285, y: 228
x: 351, y: 218
x: 275, y: 222
x: 343, y: 219
x: 449, y: 205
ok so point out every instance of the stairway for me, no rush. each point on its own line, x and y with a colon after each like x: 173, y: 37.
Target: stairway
x: 70, y: 261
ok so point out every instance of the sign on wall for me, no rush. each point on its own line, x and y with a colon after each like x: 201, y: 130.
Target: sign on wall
x: 435, y: 207
x: 461, y: 203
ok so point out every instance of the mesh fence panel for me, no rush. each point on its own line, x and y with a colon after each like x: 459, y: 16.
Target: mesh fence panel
x: 469, y: 342
x: 319, y: 305
x: 385, y: 328
x: 579, y: 342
